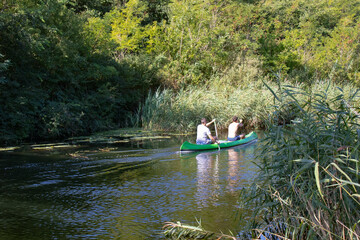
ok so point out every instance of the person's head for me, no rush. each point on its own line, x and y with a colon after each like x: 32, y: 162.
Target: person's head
x: 235, y: 119
x: 203, y: 121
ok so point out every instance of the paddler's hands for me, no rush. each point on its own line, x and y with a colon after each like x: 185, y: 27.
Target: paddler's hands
x: 210, y: 122
x: 241, y: 123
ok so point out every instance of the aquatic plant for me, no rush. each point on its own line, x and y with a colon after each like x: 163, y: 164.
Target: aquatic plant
x: 182, y: 111
x: 308, y: 182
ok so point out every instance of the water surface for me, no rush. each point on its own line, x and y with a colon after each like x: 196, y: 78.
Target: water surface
x: 121, y: 190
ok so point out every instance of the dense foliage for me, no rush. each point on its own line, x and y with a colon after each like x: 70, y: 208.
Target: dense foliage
x: 53, y: 84
x: 76, y: 66
x: 308, y: 184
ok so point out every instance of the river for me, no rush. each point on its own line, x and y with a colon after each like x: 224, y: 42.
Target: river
x: 124, y: 190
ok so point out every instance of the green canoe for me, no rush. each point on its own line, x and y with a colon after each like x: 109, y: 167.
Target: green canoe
x: 186, y: 146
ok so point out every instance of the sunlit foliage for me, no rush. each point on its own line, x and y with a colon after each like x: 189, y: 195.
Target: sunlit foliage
x: 80, y: 64
x: 54, y: 84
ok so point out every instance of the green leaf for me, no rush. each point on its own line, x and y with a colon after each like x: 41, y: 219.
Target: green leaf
x: 317, y: 177
x: 356, y: 195
x: 340, y: 170
x: 272, y: 91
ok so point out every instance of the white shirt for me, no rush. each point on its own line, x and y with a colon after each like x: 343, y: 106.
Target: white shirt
x: 203, y: 133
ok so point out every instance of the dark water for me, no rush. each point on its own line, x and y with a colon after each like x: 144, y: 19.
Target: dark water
x: 121, y: 191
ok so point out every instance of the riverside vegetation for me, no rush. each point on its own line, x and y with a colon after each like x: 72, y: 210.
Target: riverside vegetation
x: 308, y: 183
x: 307, y: 186
x: 71, y: 67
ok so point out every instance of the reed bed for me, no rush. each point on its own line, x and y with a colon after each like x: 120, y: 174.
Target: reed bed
x: 308, y: 183
x: 182, y: 110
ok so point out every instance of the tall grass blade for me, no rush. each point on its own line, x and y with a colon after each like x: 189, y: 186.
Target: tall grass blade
x: 273, y: 93
x: 317, y: 177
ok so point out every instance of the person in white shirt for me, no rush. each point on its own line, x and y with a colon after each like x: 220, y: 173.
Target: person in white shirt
x: 203, y: 133
x: 233, y: 129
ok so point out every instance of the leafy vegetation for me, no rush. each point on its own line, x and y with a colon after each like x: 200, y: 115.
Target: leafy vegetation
x: 71, y: 67
x: 53, y: 85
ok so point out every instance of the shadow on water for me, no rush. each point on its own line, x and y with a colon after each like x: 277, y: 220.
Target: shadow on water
x: 120, y: 190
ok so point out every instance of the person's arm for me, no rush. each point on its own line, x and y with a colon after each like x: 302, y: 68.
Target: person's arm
x: 212, y: 138
x: 210, y: 122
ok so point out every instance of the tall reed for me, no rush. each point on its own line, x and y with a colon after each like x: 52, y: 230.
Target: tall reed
x: 182, y: 110
x: 308, y: 183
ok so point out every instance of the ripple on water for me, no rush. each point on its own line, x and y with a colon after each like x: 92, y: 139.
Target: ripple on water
x: 121, y: 194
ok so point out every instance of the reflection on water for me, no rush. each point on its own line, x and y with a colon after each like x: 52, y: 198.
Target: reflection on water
x: 207, y: 179
x: 235, y: 167
x: 120, y: 193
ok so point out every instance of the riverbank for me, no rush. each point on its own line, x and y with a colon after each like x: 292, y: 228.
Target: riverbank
x: 181, y: 111
x: 307, y: 186
x: 121, y: 136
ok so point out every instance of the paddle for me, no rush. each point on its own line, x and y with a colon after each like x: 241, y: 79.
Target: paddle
x: 215, y: 128
x: 216, y: 135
